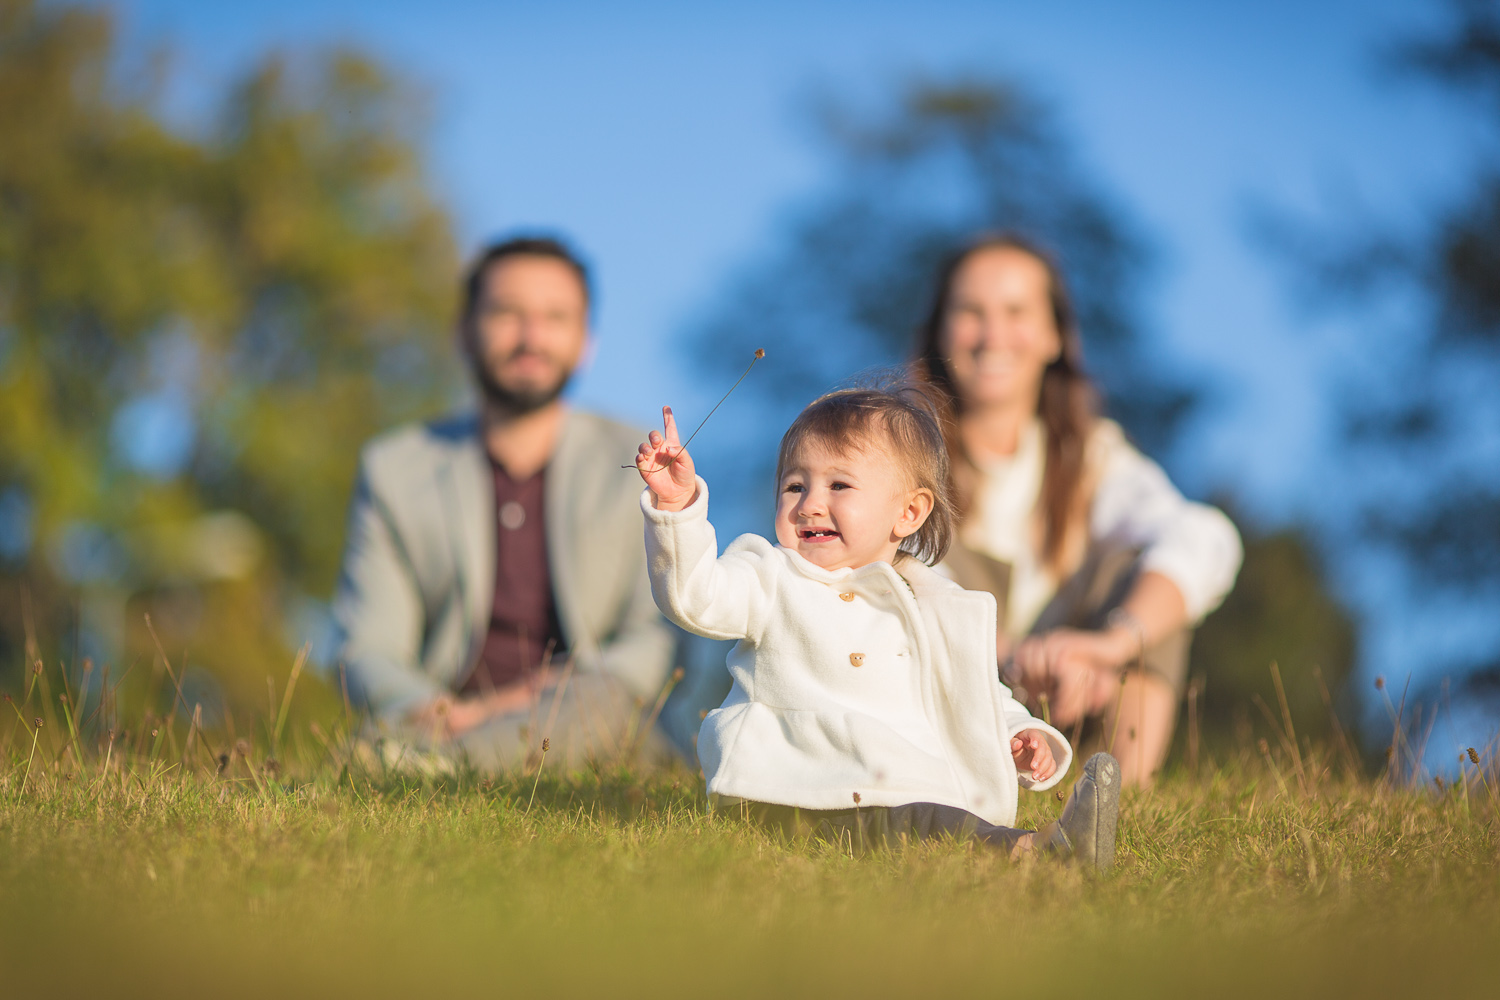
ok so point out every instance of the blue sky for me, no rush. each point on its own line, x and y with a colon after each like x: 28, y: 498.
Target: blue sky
x: 665, y: 139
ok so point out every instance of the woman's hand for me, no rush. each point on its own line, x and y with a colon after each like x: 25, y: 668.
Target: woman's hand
x: 1078, y: 670
x: 666, y: 467
x: 1031, y: 752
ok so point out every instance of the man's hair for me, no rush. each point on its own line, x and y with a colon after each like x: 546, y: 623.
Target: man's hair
x: 521, y: 246
x: 901, y: 419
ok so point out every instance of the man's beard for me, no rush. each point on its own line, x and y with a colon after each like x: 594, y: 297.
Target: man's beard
x: 517, y: 402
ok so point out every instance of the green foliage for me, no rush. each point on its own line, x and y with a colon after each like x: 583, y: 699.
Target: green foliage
x: 279, y: 276
x: 1279, y: 612
x: 1417, y: 400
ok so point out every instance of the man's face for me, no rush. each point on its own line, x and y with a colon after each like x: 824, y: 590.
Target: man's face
x: 528, y: 332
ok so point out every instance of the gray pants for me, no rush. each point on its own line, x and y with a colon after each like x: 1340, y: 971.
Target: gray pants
x: 592, y: 719
x: 875, y: 827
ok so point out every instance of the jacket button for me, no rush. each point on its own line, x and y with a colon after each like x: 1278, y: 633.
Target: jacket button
x: 857, y: 659
x: 846, y: 597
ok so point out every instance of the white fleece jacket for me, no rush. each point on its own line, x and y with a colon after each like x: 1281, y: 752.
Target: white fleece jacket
x: 844, y: 681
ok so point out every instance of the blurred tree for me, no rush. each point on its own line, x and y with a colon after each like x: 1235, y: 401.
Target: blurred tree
x: 197, y: 331
x: 1279, y: 612
x: 1420, y: 408
x: 918, y: 171
x: 925, y: 168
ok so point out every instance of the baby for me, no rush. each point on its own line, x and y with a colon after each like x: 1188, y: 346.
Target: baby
x: 866, y: 701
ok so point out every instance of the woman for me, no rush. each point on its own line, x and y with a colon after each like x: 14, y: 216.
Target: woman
x: 1099, y: 565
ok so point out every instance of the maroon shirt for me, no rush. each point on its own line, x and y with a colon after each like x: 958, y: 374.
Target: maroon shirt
x: 523, y: 618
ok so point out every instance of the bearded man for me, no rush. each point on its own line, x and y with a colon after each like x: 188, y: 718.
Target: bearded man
x: 494, y: 589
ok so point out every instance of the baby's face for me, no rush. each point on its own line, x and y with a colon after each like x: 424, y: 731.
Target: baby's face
x: 846, y: 510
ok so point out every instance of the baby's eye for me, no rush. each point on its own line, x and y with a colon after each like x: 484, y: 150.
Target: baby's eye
x: 793, y: 488
x: 836, y: 485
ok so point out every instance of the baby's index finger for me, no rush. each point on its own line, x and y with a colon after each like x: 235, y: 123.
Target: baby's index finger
x: 669, y: 422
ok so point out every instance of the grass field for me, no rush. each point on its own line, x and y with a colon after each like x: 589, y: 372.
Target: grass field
x: 136, y: 868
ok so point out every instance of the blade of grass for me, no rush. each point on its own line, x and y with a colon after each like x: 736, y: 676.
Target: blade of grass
x: 286, y: 700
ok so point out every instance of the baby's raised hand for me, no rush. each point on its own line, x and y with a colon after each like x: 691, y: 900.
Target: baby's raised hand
x: 666, y: 466
x: 1032, y: 752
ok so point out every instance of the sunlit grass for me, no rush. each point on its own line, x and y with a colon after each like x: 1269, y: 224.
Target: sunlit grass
x: 135, y: 867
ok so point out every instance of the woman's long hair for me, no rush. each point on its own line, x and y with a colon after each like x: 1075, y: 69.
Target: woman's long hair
x: 1067, y: 406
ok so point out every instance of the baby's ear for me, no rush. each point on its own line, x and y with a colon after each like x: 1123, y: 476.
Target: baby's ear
x: 919, y: 504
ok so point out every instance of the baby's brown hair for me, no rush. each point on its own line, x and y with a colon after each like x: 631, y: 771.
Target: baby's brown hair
x: 903, y: 414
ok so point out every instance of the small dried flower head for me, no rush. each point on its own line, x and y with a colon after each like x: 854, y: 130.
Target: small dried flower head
x: 7, y: 697
x: 1059, y: 795
x: 242, y: 747
x: 1437, y: 779
x: 760, y: 352
x: 1380, y: 684
x: 37, y: 667
x: 856, y: 798
x: 546, y: 745
x: 223, y: 762
x: 63, y: 698
x: 1473, y: 755
x: 153, y: 734
x: 37, y: 722
x: 1264, y: 746
x: 677, y: 675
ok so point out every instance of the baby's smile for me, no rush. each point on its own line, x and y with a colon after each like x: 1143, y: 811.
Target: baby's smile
x: 839, y: 508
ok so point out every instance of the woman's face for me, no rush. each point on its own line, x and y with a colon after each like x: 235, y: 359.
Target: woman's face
x: 999, y: 334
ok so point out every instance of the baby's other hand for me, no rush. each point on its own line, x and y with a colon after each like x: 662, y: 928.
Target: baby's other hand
x: 1032, y: 752
x: 666, y: 467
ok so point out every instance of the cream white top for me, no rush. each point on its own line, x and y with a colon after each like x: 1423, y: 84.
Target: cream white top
x: 845, y: 681
x: 1134, y: 504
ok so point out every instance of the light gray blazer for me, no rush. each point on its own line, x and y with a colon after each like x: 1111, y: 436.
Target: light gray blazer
x: 417, y: 584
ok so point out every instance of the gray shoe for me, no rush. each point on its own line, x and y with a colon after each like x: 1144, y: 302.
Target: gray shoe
x: 1085, y: 831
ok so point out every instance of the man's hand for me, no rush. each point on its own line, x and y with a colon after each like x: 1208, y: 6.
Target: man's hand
x: 666, y: 466
x: 452, y: 717
x: 1078, y: 670
x: 1033, y: 753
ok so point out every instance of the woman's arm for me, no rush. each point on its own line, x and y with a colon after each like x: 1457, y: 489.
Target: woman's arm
x: 1190, y: 556
x: 1192, y: 545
